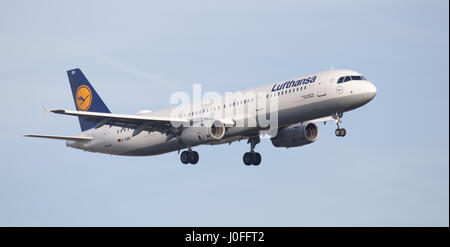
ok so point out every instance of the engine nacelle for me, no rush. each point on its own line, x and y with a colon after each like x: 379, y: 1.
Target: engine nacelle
x: 207, y: 131
x: 296, y: 135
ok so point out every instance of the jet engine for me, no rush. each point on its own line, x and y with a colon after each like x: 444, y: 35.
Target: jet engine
x: 296, y: 135
x: 209, y: 130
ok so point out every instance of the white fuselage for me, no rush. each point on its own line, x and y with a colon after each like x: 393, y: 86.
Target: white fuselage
x: 296, y: 104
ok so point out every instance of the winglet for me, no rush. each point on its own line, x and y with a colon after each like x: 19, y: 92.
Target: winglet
x: 46, y: 110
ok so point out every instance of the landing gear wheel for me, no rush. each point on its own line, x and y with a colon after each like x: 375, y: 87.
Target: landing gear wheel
x: 256, y: 159
x: 247, y: 158
x: 338, y: 132
x: 252, y: 157
x: 185, y: 157
x: 194, y: 157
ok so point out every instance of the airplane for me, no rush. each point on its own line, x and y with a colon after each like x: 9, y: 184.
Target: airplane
x: 295, y: 106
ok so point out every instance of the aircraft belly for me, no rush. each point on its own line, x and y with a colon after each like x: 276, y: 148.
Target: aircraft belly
x: 152, y: 144
x: 305, y: 112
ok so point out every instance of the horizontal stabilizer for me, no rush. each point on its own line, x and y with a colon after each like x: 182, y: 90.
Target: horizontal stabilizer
x: 67, y: 138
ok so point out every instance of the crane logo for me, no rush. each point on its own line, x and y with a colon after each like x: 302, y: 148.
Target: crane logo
x: 83, y: 98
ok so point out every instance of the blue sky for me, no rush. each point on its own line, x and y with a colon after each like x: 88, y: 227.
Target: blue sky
x: 392, y: 168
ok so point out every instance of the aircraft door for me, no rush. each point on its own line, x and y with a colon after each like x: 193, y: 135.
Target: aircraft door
x: 321, y: 86
x: 108, y: 136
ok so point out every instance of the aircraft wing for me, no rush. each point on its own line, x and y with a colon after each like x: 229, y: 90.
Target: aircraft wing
x: 137, y: 122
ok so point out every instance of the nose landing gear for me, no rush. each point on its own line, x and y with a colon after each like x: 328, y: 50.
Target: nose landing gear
x: 339, y: 131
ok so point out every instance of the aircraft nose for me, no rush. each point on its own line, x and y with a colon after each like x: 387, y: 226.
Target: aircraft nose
x: 371, y: 91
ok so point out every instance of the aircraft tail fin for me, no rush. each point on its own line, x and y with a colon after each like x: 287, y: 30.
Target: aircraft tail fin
x: 85, y: 97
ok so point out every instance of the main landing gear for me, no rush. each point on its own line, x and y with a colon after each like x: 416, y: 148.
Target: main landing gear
x: 252, y: 157
x: 189, y: 156
x: 339, y: 131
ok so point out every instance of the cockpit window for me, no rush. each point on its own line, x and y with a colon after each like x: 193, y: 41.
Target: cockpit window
x: 351, y: 78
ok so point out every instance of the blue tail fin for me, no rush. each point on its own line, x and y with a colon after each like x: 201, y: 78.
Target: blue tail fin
x: 85, y: 97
